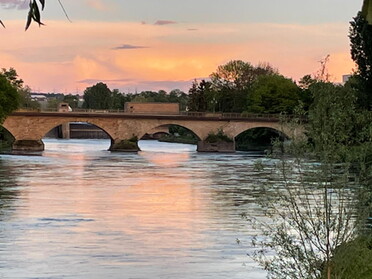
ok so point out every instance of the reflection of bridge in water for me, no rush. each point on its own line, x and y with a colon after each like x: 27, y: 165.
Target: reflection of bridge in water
x: 124, y: 129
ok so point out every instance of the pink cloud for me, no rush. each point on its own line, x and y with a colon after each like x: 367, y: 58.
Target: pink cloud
x: 176, y: 56
x: 164, y: 22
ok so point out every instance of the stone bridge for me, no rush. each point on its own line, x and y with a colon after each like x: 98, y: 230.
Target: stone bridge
x: 28, y: 128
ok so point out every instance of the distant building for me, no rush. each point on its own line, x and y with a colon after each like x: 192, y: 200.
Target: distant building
x: 38, y: 97
x: 152, y: 108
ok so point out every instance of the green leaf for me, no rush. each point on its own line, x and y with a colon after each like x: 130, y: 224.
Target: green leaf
x: 42, y: 4
x: 36, y: 13
x: 29, y: 19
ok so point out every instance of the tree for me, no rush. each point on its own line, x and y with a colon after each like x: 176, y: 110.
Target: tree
x: 197, y: 96
x: 24, y: 92
x: 25, y: 100
x: 9, y: 98
x: 98, y: 96
x: 273, y: 94
x: 360, y: 35
x: 178, y: 96
x: 72, y: 100
x: 320, y: 196
x: 232, y: 82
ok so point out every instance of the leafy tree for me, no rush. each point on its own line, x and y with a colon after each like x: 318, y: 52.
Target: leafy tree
x: 360, y: 35
x: 118, y: 100
x: 305, y: 94
x: 319, y: 197
x: 9, y: 98
x: 198, y: 95
x: 232, y: 82
x: 238, y: 75
x: 53, y: 103
x: 72, y: 100
x: 25, y: 100
x: 273, y: 94
x: 24, y: 92
x: 306, y: 81
x: 178, y: 96
x: 12, y: 76
x: 98, y: 96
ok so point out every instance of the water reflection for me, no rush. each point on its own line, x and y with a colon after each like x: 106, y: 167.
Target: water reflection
x: 166, y: 212
x: 8, y: 189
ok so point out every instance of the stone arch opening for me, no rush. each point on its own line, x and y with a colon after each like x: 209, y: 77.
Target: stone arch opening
x: 258, y: 139
x: 173, y: 133
x: 6, y: 139
x: 78, y: 130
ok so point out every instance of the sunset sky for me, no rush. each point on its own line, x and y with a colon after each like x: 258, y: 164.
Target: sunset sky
x: 136, y: 45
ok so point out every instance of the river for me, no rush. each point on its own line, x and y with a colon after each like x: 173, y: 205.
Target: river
x: 79, y: 211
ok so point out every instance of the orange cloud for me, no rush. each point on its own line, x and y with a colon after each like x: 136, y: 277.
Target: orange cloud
x: 66, y: 53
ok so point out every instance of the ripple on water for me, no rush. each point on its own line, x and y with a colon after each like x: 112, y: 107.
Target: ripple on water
x: 79, y: 211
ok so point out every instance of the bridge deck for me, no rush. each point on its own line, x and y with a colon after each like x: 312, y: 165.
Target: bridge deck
x: 192, y: 116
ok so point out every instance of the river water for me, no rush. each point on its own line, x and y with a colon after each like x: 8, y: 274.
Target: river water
x: 79, y: 211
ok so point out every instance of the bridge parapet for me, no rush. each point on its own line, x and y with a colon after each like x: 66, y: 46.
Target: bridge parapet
x: 32, y: 126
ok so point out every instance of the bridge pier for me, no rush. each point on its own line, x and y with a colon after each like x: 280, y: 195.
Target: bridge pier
x: 28, y: 145
x: 124, y: 145
x: 219, y: 146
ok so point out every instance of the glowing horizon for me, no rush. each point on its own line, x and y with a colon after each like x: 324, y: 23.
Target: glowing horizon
x: 164, y: 54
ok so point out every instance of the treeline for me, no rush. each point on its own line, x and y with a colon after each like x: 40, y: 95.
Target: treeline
x: 237, y: 87
x: 99, y: 96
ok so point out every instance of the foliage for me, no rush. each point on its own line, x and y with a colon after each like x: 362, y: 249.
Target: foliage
x: 320, y: 196
x: 238, y: 75
x: 218, y: 137
x: 98, y: 96
x: 53, y: 103
x: 9, y: 98
x: 257, y: 139
x: 34, y: 12
x: 24, y: 92
x: 311, y: 215
x: 198, y: 96
x: 360, y: 251
x: 360, y: 35
x: 180, y: 134
x: 25, y: 100
x: 335, y: 123
x: 12, y: 76
x: 231, y: 84
x: 72, y: 100
x: 273, y: 94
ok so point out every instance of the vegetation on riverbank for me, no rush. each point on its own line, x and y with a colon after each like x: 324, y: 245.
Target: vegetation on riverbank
x: 322, y: 217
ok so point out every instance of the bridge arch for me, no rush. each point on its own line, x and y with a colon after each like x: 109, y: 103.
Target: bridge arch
x: 154, y: 127
x: 65, y: 123
x: 235, y: 130
x: 6, y: 136
x: 258, y: 139
x: 66, y: 133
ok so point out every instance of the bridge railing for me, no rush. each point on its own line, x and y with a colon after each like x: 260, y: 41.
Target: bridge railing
x: 229, y: 115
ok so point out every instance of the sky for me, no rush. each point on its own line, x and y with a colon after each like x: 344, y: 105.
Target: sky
x: 136, y: 45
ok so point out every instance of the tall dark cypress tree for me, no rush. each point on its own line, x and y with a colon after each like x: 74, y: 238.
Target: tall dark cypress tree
x: 361, y: 52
